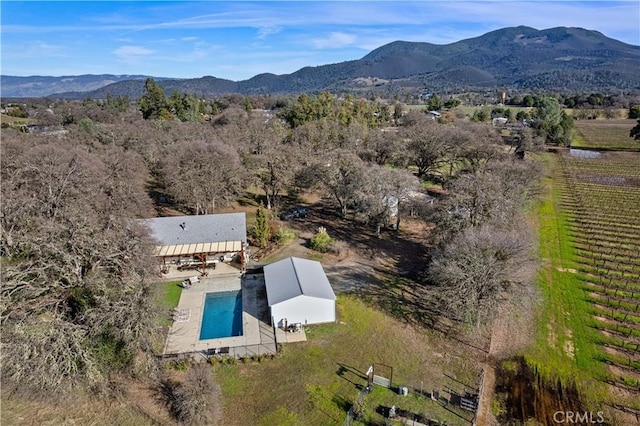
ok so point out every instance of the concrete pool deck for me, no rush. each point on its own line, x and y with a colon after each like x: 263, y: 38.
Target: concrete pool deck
x: 258, y: 336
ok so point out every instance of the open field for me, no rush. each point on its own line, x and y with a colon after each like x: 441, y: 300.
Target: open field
x: 605, y: 134
x: 8, y: 119
x: 588, y: 330
x: 603, y: 207
x: 79, y: 410
x: 310, y: 383
x: 315, y: 382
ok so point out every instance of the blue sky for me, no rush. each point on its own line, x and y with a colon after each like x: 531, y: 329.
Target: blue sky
x: 237, y: 40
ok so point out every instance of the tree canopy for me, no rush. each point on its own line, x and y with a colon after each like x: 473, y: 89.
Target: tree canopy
x: 76, y: 266
x: 635, y: 131
x: 552, y: 122
x: 153, y: 104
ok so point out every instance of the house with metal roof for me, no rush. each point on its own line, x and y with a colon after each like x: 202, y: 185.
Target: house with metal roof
x: 201, y: 239
x: 298, y: 292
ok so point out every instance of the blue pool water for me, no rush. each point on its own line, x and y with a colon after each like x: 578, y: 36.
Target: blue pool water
x: 222, y: 316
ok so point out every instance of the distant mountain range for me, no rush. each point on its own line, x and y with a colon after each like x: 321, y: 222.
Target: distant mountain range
x: 517, y: 57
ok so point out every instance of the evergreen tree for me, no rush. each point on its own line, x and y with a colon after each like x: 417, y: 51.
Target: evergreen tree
x: 261, y: 230
x: 552, y: 122
x: 635, y: 132
x: 452, y: 103
x: 153, y: 104
x: 435, y: 103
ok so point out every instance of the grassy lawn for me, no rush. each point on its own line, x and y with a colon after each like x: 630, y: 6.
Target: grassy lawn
x: 169, y: 297
x: 13, y: 120
x: 172, y: 292
x: 315, y: 382
x: 565, y: 346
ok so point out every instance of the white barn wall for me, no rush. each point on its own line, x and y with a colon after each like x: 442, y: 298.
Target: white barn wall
x: 305, y: 310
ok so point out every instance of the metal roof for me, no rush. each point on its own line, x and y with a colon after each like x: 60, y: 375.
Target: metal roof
x: 293, y: 277
x: 186, y: 235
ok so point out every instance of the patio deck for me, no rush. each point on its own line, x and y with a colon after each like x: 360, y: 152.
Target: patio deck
x: 258, y: 336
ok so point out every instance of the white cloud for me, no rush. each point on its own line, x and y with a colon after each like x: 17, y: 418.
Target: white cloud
x: 193, y: 53
x: 265, y: 31
x: 132, y: 53
x: 257, y: 36
x: 616, y: 18
x: 34, y: 49
x: 334, y: 40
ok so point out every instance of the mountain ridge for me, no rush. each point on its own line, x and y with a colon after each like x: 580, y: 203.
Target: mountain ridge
x: 515, y: 57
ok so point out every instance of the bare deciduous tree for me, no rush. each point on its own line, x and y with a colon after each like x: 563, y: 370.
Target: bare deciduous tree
x: 341, y: 174
x: 385, y: 189
x: 76, y: 293
x: 478, y: 268
x: 495, y: 193
x: 273, y: 170
x: 425, y: 145
x: 202, y: 175
x: 196, y: 401
x: 380, y: 147
x: 482, y: 147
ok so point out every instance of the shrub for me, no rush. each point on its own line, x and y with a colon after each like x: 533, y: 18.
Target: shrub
x: 181, y: 365
x: 321, y: 241
x: 229, y: 360
x: 195, y: 400
x: 111, y: 354
x: 284, y: 235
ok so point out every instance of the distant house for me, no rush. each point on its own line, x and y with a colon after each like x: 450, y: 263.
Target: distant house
x: 46, y: 130
x: 198, y: 240
x: 413, y: 200
x: 298, y: 291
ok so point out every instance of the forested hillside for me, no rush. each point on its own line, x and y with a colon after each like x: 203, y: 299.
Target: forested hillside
x: 560, y: 58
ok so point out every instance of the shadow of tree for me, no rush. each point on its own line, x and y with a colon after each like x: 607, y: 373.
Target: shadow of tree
x: 165, y: 393
x: 396, y: 249
x: 386, y: 272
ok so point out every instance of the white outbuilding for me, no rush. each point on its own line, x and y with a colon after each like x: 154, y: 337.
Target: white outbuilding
x: 299, y: 292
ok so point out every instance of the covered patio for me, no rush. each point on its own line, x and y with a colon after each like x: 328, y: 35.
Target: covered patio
x: 199, y: 243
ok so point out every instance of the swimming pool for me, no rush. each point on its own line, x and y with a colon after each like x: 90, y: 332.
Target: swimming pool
x: 222, y: 315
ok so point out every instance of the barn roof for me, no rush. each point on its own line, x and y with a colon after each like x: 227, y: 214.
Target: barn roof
x: 293, y: 277
x: 184, y: 235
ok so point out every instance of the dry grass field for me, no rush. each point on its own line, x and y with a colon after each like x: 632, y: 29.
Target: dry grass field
x: 605, y: 134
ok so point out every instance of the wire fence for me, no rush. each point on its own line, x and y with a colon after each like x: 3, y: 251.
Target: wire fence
x: 359, y: 402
